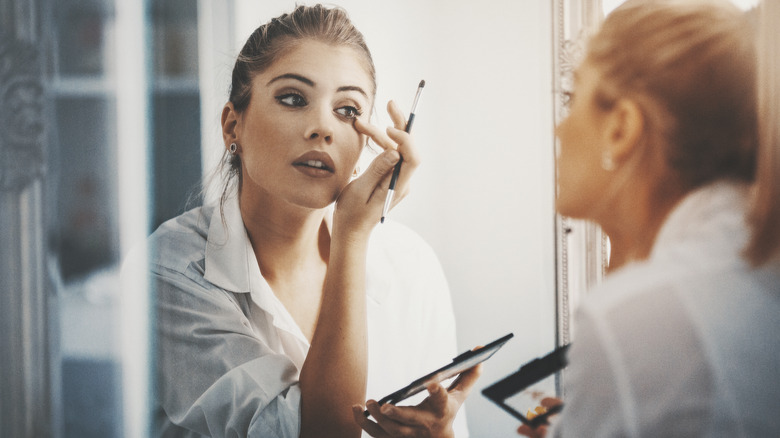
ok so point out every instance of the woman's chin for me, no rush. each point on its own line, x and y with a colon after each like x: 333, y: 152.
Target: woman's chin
x: 568, y: 208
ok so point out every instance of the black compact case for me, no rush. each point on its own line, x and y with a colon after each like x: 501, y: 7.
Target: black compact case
x: 517, y: 391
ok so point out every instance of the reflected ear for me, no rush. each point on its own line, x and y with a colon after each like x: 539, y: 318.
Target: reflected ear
x: 230, y: 120
x: 623, y: 129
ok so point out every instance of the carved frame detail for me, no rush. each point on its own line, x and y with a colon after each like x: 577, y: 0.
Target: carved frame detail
x: 581, y: 247
x: 21, y: 114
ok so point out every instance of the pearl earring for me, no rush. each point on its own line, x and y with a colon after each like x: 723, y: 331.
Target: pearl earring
x: 607, y: 163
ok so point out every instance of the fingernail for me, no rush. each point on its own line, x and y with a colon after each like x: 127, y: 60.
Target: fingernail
x: 386, y: 409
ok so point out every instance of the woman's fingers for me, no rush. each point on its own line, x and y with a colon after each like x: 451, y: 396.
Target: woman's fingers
x: 410, y: 162
x: 394, y: 138
x: 424, y: 415
x: 369, y: 426
x: 437, y: 399
x: 376, y: 178
x: 462, y: 386
x: 432, y: 417
x: 396, y: 115
x: 409, y: 415
x: 538, y: 432
x: 359, y: 205
x: 551, y: 402
x: 541, y: 430
x: 377, y: 135
x: 390, y: 426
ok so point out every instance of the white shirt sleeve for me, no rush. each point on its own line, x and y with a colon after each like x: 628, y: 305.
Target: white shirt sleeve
x: 219, y: 379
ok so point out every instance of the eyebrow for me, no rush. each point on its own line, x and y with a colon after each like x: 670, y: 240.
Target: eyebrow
x: 353, y: 88
x: 311, y: 83
x: 303, y: 79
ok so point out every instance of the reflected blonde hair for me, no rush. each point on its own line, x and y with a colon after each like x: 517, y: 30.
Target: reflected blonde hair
x: 765, y: 213
x: 691, y: 66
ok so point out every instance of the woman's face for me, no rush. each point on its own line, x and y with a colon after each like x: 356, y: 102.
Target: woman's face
x: 296, y: 136
x: 581, y: 178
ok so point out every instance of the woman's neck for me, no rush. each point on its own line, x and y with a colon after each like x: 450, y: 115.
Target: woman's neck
x: 285, y: 237
x: 634, y: 224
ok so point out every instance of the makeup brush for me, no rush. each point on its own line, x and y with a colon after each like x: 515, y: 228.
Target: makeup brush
x: 397, y: 169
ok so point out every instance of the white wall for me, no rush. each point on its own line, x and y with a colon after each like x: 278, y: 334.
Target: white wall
x: 483, y: 197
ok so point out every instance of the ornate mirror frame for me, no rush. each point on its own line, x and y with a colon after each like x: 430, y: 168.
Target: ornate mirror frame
x: 582, y: 250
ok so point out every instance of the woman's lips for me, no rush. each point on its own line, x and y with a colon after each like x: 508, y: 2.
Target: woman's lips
x: 316, y: 164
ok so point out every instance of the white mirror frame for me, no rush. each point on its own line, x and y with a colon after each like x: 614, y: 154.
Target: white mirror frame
x: 582, y: 249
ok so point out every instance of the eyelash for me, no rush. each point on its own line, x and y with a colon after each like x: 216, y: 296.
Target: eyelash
x: 281, y: 99
x: 353, y: 112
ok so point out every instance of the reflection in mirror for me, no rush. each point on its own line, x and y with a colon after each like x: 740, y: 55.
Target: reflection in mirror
x: 583, y: 250
x: 483, y: 195
x: 136, y: 89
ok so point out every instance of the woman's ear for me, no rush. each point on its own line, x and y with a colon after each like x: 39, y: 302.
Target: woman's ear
x: 623, y: 129
x: 230, y: 120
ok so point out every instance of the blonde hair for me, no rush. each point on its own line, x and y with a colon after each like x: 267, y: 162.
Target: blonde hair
x: 692, y: 68
x: 765, y: 212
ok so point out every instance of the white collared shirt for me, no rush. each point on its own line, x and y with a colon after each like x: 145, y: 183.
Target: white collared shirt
x: 229, y: 352
x: 685, y: 343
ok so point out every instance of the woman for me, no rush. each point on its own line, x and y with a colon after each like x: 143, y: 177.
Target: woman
x: 660, y: 149
x: 269, y: 301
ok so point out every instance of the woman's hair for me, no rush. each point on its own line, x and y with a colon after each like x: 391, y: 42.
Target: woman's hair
x: 271, y: 41
x: 765, y: 213
x: 691, y: 67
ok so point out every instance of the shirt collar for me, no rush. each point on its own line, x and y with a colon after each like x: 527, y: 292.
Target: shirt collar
x: 228, y: 250
x: 231, y: 263
x: 705, y: 214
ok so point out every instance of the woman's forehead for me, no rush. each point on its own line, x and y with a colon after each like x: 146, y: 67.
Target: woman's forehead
x: 323, y: 64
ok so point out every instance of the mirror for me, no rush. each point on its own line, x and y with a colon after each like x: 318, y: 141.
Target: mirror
x: 483, y: 196
x: 582, y: 249
x: 134, y: 92
x: 136, y: 89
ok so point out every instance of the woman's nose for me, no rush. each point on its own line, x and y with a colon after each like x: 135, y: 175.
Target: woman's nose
x: 321, y: 125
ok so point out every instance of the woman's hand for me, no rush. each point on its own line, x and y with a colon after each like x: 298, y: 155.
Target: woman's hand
x: 541, y: 430
x: 432, y: 418
x: 359, y: 206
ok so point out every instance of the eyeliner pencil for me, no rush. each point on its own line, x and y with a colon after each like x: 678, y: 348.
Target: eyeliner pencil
x: 397, y: 169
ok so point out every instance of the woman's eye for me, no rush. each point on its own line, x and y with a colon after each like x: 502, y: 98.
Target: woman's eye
x: 291, y: 99
x: 349, y: 112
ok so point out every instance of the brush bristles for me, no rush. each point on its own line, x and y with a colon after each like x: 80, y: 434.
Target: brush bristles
x: 422, y: 83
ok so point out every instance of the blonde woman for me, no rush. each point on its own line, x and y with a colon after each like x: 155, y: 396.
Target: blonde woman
x: 664, y: 148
